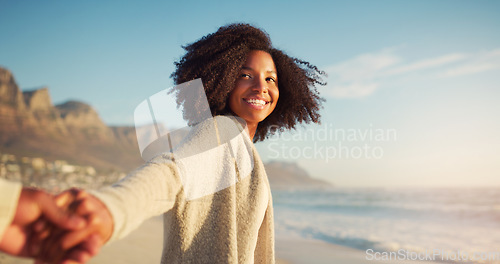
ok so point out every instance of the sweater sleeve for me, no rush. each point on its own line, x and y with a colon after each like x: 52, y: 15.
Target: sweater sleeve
x: 148, y: 191
x: 9, y: 195
x: 202, y: 164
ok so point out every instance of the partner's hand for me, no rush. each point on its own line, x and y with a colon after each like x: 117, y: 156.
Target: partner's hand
x: 32, y: 205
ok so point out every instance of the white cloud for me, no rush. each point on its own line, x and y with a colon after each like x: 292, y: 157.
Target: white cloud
x: 363, y: 66
x: 483, y: 61
x: 357, y: 77
x: 354, y: 89
x: 366, y: 73
x: 427, y: 63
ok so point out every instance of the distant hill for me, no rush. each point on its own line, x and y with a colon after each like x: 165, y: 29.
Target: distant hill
x: 286, y: 175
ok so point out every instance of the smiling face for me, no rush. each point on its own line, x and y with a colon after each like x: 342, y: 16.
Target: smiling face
x: 255, y: 93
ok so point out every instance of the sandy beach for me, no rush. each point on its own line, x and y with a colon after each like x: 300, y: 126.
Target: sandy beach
x: 144, y: 246
x: 307, y: 251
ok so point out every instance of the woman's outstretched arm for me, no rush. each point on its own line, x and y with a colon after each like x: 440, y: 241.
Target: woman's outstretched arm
x: 148, y: 191
x: 113, y: 212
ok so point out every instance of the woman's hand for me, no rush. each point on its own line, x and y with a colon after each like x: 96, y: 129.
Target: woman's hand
x: 99, y: 219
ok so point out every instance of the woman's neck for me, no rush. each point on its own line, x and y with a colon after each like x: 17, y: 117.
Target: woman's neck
x: 251, y: 129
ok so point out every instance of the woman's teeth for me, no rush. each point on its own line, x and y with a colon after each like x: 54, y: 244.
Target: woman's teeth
x: 256, y: 102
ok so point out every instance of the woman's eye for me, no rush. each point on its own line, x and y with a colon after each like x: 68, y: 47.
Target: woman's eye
x: 270, y: 79
x: 245, y: 75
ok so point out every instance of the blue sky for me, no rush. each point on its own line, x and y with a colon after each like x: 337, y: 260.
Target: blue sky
x: 427, y: 70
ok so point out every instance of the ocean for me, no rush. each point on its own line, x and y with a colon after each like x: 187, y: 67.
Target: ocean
x: 456, y: 224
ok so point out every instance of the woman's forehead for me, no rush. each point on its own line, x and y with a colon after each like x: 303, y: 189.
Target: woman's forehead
x: 258, y: 60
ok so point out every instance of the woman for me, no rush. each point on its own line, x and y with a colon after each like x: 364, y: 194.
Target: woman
x: 245, y: 77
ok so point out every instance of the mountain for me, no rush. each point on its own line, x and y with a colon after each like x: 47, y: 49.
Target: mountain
x: 30, y: 125
x: 286, y: 175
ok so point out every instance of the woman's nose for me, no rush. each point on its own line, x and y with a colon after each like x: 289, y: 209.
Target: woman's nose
x: 260, y: 86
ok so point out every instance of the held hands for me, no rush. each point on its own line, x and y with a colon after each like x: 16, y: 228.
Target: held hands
x: 69, y: 228
x: 76, y: 246
x: 33, y: 204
